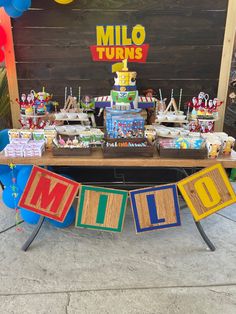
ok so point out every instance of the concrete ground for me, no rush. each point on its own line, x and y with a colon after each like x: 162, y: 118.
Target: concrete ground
x: 84, y: 271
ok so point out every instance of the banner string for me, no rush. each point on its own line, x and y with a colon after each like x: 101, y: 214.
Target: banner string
x: 15, y: 194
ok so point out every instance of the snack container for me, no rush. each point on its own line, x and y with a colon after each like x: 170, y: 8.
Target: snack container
x: 213, y: 147
x: 97, y: 135
x: 20, y: 141
x: 26, y: 134
x: 38, y: 135
x: 49, y: 135
x: 13, y: 133
x: 181, y: 117
x: 228, y: 145
x: 13, y: 150
x: 86, y: 136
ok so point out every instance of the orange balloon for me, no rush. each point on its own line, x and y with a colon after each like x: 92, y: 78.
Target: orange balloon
x: 64, y: 1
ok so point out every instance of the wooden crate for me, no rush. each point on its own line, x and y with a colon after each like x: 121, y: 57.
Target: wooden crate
x: 128, y: 152
x: 67, y: 152
x: 183, y: 153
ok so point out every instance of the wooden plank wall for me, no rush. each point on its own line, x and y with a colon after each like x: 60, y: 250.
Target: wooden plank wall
x: 230, y: 112
x: 186, y: 37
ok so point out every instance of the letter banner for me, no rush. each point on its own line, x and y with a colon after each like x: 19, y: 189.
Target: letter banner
x: 101, y: 208
x: 48, y: 194
x: 207, y: 191
x: 155, y: 208
x: 52, y: 195
x: 118, y: 53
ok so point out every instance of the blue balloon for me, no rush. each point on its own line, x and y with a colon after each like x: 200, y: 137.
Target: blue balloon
x: 8, y: 199
x: 23, y: 176
x: 11, y: 11
x: 19, y: 167
x: 4, y: 2
x: 4, y: 139
x: 4, y: 168
x: 70, y: 217
x: 6, y: 178
x: 29, y: 217
x: 21, y: 5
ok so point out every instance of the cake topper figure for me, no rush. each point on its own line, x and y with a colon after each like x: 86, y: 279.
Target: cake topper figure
x: 124, y: 95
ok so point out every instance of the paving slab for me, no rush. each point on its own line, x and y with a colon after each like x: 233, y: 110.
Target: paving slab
x: 209, y: 300
x: 82, y: 262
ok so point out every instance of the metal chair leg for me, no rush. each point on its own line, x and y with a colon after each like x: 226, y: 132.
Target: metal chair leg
x: 33, y: 234
x: 198, y: 224
x: 204, y: 236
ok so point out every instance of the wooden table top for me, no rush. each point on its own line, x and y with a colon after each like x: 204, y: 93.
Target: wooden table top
x: 96, y: 160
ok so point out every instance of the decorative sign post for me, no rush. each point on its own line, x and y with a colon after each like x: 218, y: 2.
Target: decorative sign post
x: 114, y: 44
x: 207, y: 191
x: 155, y: 208
x: 48, y: 194
x: 101, y: 208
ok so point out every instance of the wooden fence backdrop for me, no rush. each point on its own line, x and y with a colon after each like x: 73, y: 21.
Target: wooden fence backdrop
x: 185, y: 36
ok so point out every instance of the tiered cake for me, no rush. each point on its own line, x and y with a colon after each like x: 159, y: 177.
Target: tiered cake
x: 124, y: 95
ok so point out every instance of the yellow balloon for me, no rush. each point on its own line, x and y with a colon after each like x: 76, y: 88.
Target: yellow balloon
x: 64, y: 1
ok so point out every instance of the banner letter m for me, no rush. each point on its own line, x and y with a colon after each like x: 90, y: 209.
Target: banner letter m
x: 46, y: 197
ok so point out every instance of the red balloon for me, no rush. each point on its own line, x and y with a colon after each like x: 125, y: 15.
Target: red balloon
x: 3, y: 36
x: 2, y: 55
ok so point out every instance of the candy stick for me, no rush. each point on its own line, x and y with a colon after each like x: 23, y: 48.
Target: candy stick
x: 180, y: 98
x: 188, y: 112
x: 79, y: 95
x: 160, y: 95
x: 65, y: 94
x: 161, y: 99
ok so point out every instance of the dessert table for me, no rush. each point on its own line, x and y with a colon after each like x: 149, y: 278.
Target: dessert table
x: 96, y: 159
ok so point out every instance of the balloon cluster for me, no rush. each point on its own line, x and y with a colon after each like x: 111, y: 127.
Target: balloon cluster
x: 15, y: 8
x: 64, y: 1
x: 3, y: 40
x: 14, y: 180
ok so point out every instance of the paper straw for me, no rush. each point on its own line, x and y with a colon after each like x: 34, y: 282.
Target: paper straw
x: 65, y: 94
x: 160, y: 94
x: 180, y: 97
x: 79, y: 94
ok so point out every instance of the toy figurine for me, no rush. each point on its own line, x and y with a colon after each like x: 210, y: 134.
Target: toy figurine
x: 30, y: 102
x: 151, y: 110
x: 41, y: 100
x: 88, y: 106
x: 28, y: 110
x: 22, y: 103
x: 41, y: 109
x: 204, y: 108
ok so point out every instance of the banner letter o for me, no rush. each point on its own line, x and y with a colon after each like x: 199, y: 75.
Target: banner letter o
x: 207, y: 192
